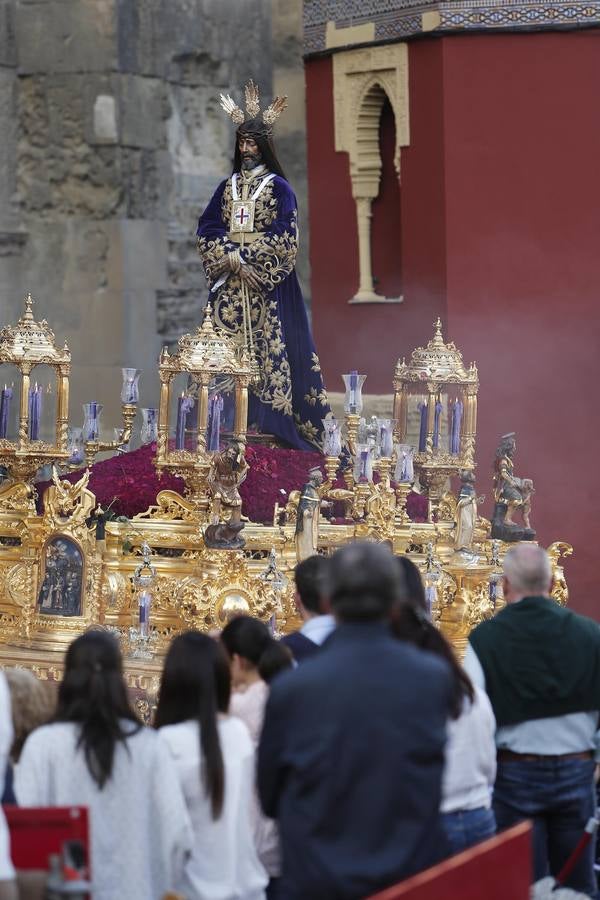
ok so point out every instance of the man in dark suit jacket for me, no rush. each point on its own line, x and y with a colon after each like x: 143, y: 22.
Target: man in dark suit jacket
x: 352, y: 751
x: 309, y: 577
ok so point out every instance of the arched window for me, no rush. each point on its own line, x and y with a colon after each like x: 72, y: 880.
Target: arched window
x: 386, y: 222
x: 371, y: 125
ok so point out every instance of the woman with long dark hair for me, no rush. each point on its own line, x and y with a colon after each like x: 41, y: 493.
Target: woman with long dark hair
x: 96, y: 753
x: 255, y: 658
x: 215, y: 762
x: 470, y: 767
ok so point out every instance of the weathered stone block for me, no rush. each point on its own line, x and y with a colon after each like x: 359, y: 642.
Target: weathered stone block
x: 8, y: 149
x: 121, y: 143
x: 66, y: 36
x: 145, y: 180
x: 143, y: 111
x: 8, y: 43
x: 58, y: 172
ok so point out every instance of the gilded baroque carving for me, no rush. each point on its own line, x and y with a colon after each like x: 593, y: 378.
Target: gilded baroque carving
x: 17, y: 585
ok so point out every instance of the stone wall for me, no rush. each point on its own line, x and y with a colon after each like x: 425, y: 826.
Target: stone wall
x: 113, y: 141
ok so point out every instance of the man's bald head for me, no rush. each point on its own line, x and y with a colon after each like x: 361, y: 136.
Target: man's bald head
x: 528, y: 571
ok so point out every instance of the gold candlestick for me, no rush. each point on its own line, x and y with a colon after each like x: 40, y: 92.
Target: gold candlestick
x: 128, y: 413
x: 331, y: 467
x: 352, y: 423
x: 384, y: 467
x: 403, y: 489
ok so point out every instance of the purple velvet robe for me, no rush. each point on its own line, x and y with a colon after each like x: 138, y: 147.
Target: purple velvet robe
x: 289, y: 401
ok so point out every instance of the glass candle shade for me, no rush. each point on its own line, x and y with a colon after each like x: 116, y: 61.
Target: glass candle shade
x: 332, y: 436
x: 363, y: 464
x: 353, y: 401
x: 149, y: 429
x: 130, y: 391
x: 91, y: 420
x: 75, y: 446
x: 385, y: 437
x: 404, y: 472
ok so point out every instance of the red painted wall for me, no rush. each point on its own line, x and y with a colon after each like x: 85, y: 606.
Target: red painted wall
x: 500, y: 220
x: 372, y: 337
x: 522, y: 151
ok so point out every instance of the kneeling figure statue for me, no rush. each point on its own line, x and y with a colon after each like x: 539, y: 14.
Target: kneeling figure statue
x: 510, y: 493
x: 228, y: 471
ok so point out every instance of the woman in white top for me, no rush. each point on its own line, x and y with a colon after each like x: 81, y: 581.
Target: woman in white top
x: 8, y: 887
x: 97, y: 754
x: 214, y: 756
x: 470, y: 768
x: 255, y: 658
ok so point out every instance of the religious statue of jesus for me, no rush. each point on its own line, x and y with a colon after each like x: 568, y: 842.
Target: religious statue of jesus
x: 248, y: 239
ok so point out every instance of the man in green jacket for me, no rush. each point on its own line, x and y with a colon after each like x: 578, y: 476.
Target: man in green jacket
x: 540, y: 665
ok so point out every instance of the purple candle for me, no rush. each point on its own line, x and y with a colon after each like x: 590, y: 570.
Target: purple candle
x: 436, y: 424
x: 364, y: 457
x: 144, y: 613
x: 184, y: 405
x: 35, y: 411
x: 216, y: 407
x: 422, y: 407
x: 353, y: 387
x: 5, y: 398
x: 457, y: 411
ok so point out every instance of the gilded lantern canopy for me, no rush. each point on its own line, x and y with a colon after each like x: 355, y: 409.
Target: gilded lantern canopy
x: 34, y: 396
x: 203, y: 401
x: 435, y: 409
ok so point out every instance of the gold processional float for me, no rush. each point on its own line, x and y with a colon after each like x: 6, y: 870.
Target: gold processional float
x: 192, y: 561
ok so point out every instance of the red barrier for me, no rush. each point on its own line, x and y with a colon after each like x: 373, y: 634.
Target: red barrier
x: 35, y: 833
x: 498, y: 869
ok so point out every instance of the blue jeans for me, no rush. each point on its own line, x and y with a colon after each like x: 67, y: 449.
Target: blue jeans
x: 559, y: 797
x: 466, y: 827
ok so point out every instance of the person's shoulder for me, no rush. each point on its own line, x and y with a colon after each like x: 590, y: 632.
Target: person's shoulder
x: 590, y: 625
x: 45, y: 738
x: 178, y: 731
x: 430, y: 664
x: 481, y: 704
x: 296, y: 681
x: 234, y: 731
x: 484, y: 629
x: 283, y: 187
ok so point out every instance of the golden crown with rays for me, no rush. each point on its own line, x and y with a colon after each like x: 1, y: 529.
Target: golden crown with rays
x: 269, y: 115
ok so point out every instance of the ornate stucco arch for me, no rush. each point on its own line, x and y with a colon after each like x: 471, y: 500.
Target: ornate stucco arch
x: 362, y: 79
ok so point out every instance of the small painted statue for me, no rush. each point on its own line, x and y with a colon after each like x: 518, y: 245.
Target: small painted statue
x: 307, y: 517
x: 229, y: 469
x: 466, y: 512
x: 510, y: 493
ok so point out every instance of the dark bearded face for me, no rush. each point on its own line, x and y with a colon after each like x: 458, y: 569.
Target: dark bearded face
x: 249, y: 152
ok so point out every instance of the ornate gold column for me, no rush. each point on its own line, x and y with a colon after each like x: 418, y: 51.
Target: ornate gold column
x: 470, y: 429
x: 163, y: 414
x: 202, y: 413
x: 431, y: 401
x: 241, y: 409
x: 24, y: 410
x: 400, y: 412
x: 62, y: 413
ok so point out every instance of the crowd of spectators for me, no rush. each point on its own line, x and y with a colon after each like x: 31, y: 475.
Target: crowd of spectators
x: 333, y: 763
